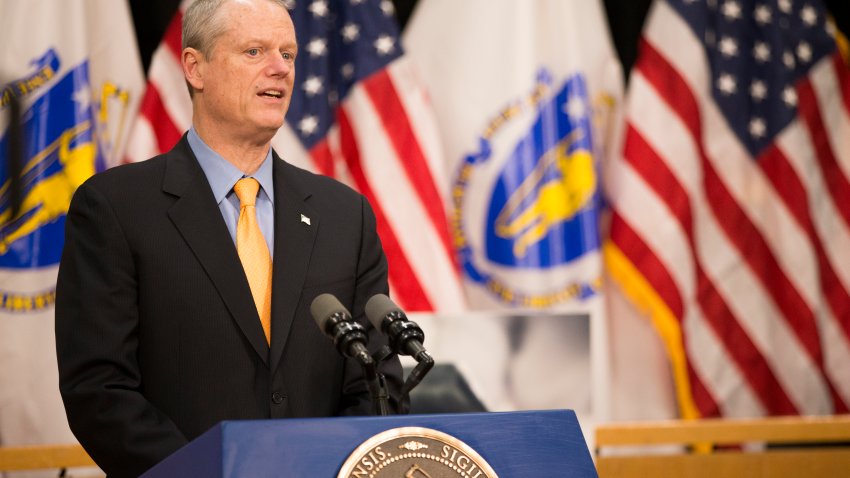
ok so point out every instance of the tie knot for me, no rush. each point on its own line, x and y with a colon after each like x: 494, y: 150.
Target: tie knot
x: 246, y: 190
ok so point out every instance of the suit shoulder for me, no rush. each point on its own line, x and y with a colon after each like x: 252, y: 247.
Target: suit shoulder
x: 129, y: 175
x: 127, y: 185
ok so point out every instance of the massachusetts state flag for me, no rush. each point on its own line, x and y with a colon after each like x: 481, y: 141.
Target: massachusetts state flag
x: 75, y: 70
x: 358, y: 114
x: 731, y: 199
x: 524, y: 94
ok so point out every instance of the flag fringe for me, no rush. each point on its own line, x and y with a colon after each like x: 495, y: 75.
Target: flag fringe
x: 635, y: 286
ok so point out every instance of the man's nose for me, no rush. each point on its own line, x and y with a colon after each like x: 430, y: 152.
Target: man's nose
x: 280, y: 66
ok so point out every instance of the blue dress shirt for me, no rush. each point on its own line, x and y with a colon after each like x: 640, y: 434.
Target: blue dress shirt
x: 222, y: 175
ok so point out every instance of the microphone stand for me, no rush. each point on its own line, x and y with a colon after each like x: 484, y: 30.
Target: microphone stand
x: 377, y: 382
x: 380, y: 396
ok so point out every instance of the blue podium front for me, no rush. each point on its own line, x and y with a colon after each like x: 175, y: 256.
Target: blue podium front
x: 513, y: 444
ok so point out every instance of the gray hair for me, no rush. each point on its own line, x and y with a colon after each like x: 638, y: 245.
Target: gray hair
x: 202, y: 25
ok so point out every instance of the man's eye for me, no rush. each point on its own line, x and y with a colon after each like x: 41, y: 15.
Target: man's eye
x: 253, y: 51
x: 286, y: 55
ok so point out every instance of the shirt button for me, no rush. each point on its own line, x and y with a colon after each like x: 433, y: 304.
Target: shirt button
x: 277, y: 398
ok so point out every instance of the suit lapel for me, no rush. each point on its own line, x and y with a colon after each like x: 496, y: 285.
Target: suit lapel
x: 197, y: 217
x: 294, y: 237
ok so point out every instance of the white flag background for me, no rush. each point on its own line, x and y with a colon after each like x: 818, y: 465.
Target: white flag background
x: 75, y: 69
x: 525, y: 95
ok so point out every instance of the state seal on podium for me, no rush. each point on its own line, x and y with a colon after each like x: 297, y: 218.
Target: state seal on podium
x: 415, y: 452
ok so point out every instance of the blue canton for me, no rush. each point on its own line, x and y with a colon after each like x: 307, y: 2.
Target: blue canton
x: 757, y: 51
x: 340, y: 42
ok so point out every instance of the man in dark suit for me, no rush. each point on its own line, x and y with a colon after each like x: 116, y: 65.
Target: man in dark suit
x: 159, y: 318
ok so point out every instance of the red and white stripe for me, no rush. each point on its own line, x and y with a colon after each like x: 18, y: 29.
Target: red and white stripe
x: 384, y: 144
x: 751, y: 257
x: 166, y: 110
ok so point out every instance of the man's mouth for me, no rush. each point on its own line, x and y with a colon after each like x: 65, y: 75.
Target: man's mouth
x: 272, y: 93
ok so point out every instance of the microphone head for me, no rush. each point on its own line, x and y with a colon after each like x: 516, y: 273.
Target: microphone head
x: 405, y: 337
x: 323, y: 307
x: 378, y: 307
x: 335, y: 321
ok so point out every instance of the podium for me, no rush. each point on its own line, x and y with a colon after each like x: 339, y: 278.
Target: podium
x: 514, y: 444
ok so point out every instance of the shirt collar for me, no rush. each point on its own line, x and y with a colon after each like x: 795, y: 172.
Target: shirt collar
x: 222, y: 174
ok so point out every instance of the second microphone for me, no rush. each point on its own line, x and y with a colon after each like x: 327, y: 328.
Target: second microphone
x: 405, y: 336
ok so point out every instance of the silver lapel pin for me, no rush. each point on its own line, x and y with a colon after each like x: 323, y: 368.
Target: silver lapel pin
x: 305, y: 219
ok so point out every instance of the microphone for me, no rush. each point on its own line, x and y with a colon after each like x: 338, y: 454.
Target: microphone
x: 335, y: 321
x: 350, y: 339
x: 405, y: 336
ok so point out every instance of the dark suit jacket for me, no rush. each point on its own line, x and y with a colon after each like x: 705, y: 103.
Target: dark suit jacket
x: 157, y: 335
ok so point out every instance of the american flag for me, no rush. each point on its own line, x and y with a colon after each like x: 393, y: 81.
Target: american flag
x: 358, y: 114
x: 731, y: 204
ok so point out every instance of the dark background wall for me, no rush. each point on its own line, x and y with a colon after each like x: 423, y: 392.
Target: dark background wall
x: 625, y: 18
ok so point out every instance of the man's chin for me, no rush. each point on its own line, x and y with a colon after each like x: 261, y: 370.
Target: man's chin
x: 273, y: 123
x: 269, y: 127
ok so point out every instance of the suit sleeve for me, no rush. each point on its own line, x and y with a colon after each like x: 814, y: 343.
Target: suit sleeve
x: 97, y: 342
x: 371, y: 280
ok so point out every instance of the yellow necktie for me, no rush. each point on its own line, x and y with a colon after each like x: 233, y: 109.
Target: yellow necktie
x: 254, y: 252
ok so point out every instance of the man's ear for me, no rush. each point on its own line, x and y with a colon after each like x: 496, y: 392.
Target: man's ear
x: 192, y: 61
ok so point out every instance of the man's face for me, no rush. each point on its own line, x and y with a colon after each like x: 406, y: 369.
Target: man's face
x: 247, y: 79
